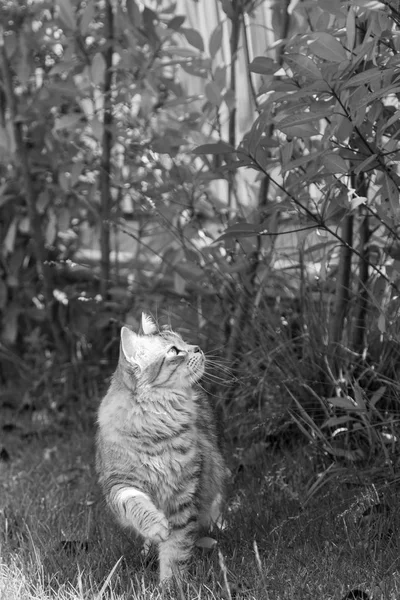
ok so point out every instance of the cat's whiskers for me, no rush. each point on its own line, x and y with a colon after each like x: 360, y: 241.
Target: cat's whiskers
x: 212, y: 365
x: 218, y: 381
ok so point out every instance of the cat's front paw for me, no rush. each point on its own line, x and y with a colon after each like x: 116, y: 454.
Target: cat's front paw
x: 159, y: 531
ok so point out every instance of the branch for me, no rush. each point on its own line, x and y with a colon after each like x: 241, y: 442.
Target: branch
x: 320, y: 223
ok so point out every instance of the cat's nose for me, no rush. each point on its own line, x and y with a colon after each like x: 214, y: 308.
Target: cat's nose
x: 196, y: 349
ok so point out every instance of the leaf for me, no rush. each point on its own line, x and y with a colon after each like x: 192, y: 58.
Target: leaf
x: 299, y: 131
x: 42, y: 201
x: 24, y: 225
x: 352, y: 455
x: 206, y: 543
x: 183, y: 52
x: 335, y: 421
x: 9, y: 240
x: 98, y: 68
x: 64, y: 218
x: 301, y: 161
x: 378, y: 395
x: 64, y: 181
x: 76, y: 171
x: 97, y: 128
x: 325, y: 46
x: 215, y: 41
x: 369, y: 4
x: 189, y: 270
x: 135, y: 16
x: 382, y: 323
x: 393, y: 193
x: 238, y: 230
x: 368, y: 98
x: 344, y: 129
x: 213, y: 93
x: 193, y: 37
x: 358, y: 397
x: 51, y: 228
x: 356, y: 201
x: 179, y: 284
x: 230, y: 99
x: 346, y: 403
x: 364, y: 77
x: 301, y: 118
x: 150, y: 19
x: 10, y: 43
x: 351, y: 28
x: 67, y: 14
x: 263, y: 65
x: 304, y: 66
x: 331, y: 6
x: 369, y: 163
x: 228, y: 9
x: 9, y: 330
x: 176, y: 22
x: 67, y: 121
x: 335, y: 163
x: 217, y: 148
x: 87, y: 17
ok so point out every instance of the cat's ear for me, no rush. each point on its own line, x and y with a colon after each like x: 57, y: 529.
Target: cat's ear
x: 148, y: 325
x: 129, y: 345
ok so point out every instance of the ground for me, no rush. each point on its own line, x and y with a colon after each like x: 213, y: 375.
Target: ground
x: 280, y: 542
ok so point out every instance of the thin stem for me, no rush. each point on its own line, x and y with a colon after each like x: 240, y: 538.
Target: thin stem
x: 105, y: 170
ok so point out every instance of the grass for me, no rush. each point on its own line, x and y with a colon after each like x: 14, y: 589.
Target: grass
x: 58, y: 542
x: 300, y: 524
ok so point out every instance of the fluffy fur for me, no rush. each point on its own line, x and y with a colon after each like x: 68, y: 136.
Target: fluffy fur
x: 158, y: 456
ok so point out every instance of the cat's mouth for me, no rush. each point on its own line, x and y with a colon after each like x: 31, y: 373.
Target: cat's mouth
x: 196, y: 365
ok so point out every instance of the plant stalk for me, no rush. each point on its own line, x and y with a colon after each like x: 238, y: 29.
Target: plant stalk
x: 105, y: 164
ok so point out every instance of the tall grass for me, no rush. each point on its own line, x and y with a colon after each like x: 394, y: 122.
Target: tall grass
x: 312, y: 502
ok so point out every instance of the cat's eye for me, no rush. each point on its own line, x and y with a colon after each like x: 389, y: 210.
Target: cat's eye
x: 173, y: 351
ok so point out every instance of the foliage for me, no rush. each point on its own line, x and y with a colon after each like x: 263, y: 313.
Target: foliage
x: 130, y: 177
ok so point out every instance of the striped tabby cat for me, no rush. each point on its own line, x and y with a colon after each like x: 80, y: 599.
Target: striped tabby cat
x: 158, y: 458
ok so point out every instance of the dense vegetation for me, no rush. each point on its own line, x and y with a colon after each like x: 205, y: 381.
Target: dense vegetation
x: 234, y: 170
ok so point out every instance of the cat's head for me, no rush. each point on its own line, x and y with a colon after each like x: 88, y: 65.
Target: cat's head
x: 159, y: 359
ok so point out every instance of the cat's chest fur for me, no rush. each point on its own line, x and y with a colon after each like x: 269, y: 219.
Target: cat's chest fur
x: 157, y: 435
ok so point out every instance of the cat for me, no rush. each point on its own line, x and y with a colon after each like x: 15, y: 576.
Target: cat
x: 158, y: 453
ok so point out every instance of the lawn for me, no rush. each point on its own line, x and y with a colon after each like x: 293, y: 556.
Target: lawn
x: 279, y: 543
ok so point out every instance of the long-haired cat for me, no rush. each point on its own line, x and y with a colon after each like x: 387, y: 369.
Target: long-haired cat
x: 158, y: 454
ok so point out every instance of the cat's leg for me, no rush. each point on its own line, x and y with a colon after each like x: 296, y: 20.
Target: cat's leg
x: 175, y: 552
x: 135, y: 509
